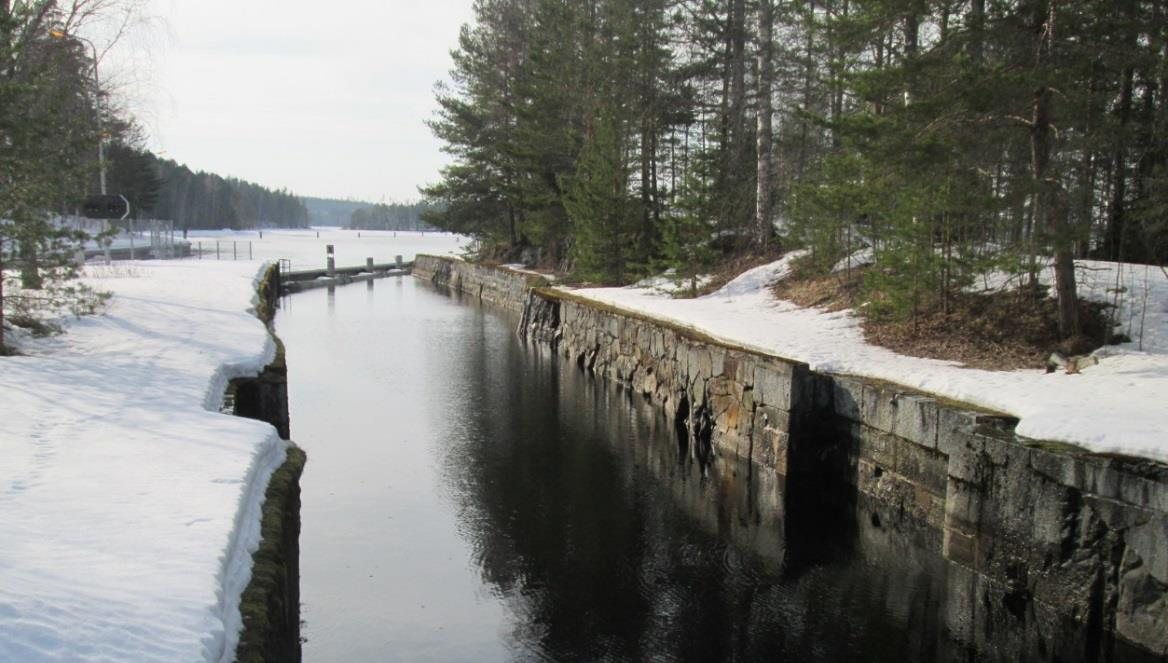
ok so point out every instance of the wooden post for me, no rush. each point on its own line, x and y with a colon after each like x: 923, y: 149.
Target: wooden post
x: 330, y: 260
x: 369, y: 264
x: 398, y: 260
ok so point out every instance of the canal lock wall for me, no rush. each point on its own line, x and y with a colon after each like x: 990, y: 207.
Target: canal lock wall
x: 1034, y: 533
x: 270, y: 605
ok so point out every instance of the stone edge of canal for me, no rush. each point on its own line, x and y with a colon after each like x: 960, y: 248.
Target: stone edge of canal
x: 1032, y: 530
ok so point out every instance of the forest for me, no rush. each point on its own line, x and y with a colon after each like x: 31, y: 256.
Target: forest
x: 392, y: 216
x: 948, y: 138
x: 162, y: 189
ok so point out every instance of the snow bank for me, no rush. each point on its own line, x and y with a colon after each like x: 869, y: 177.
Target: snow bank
x: 1117, y: 406
x: 129, y: 506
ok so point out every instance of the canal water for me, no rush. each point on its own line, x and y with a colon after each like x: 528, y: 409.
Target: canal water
x: 470, y: 497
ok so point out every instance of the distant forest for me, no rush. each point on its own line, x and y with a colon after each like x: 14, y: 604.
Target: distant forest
x: 163, y: 189
x: 331, y: 211
x: 392, y: 216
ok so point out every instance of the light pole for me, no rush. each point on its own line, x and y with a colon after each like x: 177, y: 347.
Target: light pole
x: 61, y: 34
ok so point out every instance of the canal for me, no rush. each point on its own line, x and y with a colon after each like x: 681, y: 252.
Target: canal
x: 470, y: 497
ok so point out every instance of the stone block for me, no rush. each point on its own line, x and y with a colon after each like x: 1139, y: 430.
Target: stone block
x: 772, y: 384
x: 967, y: 460
x: 717, y: 360
x: 878, y: 407
x: 1102, y: 478
x: 876, y: 447
x: 921, y: 466
x: 1149, y: 540
x: 916, y: 420
x: 847, y: 397
x: 963, y: 505
x: 1144, y: 492
x: 1141, y: 612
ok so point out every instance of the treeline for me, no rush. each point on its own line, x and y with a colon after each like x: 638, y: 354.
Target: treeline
x: 163, y: 189
x: 392, y: 216
x: 951, y: 137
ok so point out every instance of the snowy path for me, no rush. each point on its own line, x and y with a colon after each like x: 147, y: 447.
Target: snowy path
x: 128, y: 509
x: 1119, y: 405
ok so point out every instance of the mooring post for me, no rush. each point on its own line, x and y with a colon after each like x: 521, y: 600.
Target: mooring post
x: 398, y: 261
x: 369, y: 264
x: 331, y: 260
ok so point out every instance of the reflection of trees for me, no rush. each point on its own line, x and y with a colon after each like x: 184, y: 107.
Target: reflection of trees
x: 607, y: 543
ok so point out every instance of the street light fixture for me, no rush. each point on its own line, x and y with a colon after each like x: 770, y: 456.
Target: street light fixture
x: 62, y: 35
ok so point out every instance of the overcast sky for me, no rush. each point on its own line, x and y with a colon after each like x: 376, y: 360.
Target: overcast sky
x: 323, y: 98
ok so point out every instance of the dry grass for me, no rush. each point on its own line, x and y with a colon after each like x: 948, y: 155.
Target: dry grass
x: 1004, y: 331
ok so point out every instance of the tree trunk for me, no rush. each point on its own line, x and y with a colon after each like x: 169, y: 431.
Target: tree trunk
x: 1113, y: 238
x: 1047, y: 210
x: 763, y: 203
x: 977, y: 31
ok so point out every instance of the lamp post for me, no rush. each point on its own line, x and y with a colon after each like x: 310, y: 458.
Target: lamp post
x: 61, y: 34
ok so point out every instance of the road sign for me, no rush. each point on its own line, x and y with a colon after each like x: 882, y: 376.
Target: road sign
x: 106, y: 207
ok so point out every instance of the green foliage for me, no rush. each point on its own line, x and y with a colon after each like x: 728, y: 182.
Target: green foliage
x: 686, y: 235
x: 952, y: 138
x: 600, y: 207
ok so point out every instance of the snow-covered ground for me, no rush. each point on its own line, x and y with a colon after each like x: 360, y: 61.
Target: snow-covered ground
x: 1119, y: 405
x: 129, y: 507
x: 307, y: 251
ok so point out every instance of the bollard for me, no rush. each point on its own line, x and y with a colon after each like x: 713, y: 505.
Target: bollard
x: 398, y: 260
x: 330, y: 260
x: 369, y: 264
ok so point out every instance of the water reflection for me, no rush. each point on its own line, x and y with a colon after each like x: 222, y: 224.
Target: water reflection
x: 536, y: 513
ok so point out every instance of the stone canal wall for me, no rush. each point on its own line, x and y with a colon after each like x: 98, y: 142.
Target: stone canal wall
x: 270, y: 604
x: 1041, y: 531
x: 498, y: 286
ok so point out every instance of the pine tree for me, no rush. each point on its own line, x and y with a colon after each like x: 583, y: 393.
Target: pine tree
x: 599, y: 203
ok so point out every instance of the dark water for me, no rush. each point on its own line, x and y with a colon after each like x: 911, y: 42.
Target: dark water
x: 472, y: 498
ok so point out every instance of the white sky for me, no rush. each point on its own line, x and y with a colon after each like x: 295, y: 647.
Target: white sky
x: 324, y: 98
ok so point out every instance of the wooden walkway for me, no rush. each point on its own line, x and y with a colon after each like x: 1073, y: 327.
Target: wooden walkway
x: 292, y: 282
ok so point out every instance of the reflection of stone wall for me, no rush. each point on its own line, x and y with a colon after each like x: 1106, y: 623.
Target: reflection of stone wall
x: 1044, y: 529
